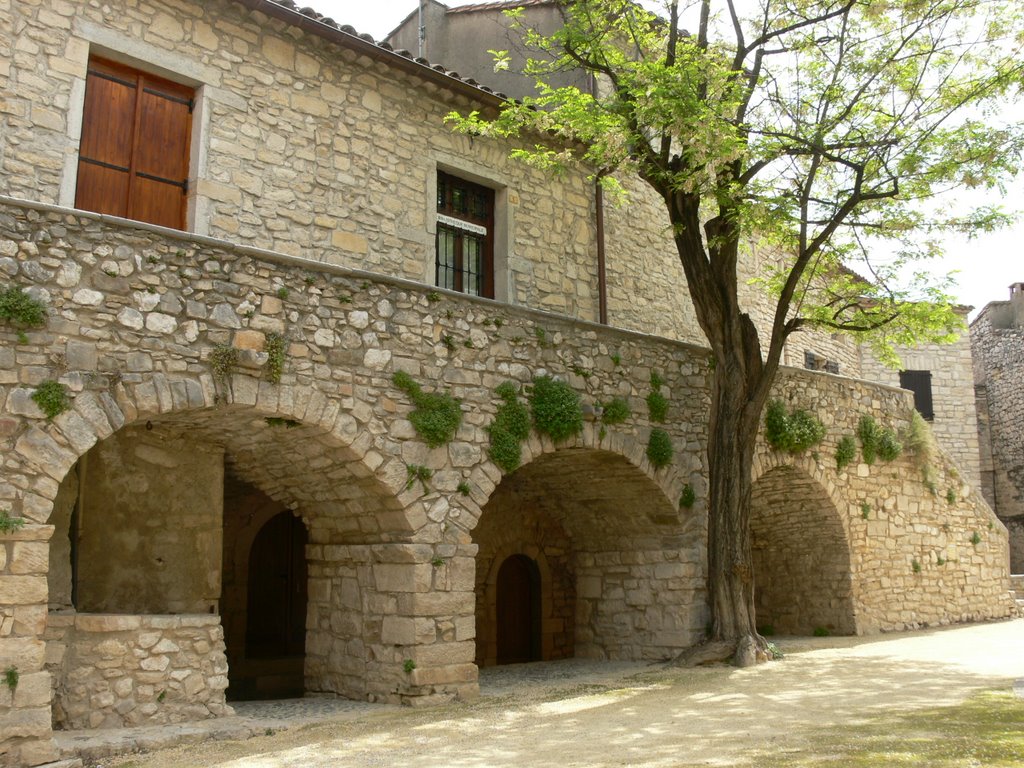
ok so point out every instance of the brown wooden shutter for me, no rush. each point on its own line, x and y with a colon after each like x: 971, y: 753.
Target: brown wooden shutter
x: 133, y: 159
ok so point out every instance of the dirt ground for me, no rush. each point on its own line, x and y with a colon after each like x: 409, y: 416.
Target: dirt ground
x: 592, y: 714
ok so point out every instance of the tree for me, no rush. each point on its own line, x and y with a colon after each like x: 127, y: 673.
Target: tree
x: 813, y: 127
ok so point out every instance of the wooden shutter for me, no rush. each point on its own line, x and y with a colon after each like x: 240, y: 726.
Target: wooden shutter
x: 133, y: 159
x: 920, y: 383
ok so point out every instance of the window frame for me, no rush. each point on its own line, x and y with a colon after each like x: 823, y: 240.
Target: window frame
x: 464, y: 225
x: 143, y: 84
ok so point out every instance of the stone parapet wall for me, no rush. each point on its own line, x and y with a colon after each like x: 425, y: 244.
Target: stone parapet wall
x: 924, y: 547
x: 118, y: 670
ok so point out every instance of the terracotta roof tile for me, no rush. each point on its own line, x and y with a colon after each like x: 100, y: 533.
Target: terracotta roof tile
x: 342, y: 34
x: 498, y: 5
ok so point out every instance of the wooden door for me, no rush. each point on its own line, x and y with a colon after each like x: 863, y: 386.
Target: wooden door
x: 518, y: 609
x: 133, y: 157
x: 276, y: 604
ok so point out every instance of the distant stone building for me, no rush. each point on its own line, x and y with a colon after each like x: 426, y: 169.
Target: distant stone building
x: 997, y: 343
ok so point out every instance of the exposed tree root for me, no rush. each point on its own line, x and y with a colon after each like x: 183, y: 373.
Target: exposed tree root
x: 745, y: 652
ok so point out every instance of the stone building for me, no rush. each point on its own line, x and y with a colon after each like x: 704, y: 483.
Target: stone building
x: 997, y: 342
x: 243, y: 221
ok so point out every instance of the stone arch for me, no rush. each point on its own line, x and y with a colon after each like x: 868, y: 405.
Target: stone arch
x: 623, y: 565
x: 801, y: 550
x: 53, y: 449
x: 294, y: 443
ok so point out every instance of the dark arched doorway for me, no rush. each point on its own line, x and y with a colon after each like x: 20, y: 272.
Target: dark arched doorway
x: 518, y: 608
x: 265, y: 595
x: 276, y: 615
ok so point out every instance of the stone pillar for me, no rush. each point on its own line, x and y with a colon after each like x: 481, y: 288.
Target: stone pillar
x: 392, y: 622
x: 26, y: 736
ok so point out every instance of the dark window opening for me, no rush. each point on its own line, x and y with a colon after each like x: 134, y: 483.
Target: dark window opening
x: 133, y: 156
x: 815, y: 362
x: 920, y: 383
x: 465, y: 236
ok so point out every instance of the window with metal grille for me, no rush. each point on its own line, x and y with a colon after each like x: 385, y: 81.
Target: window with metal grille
x: 465, y: 236
x: 920, y: 383
x: 133, y: 157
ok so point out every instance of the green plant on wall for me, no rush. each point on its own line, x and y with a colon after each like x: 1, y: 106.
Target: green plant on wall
x: 615, y: 411
x: 281, y: 421
x: 10, y: 524
x: 920, y: 444
x: 791, y: 432
x: 556, y: 408
x: 21, y: 311
x: 846, y: 451
x: 877, y: 442
x: 275, y: 346
x: 436, y: 416
x: 418, y: 473
x: 659, y: 448
x: 511, y: 426
x: 223, y: 359
x: 11, y: 677
x: 889, y: 446
x: 688, y: 497
x: 657, y: 403
x: 52, y: 398
x: 867, y: 433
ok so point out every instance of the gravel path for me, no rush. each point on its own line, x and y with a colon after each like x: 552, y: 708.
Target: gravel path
x: 580, y: 713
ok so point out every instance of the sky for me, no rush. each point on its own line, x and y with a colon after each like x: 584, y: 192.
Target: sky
x: 986, y: 265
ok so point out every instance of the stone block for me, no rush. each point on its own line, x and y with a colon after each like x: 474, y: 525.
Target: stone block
x: 403, y: 578
x: 25, y: 653
x: 23, y: 590
x: 398, y: 630
x: 102, y: 622
x: 29, y: 557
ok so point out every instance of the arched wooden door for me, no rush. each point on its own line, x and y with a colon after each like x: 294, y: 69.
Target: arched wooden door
x: 518, y: 609
x: 276, y: 616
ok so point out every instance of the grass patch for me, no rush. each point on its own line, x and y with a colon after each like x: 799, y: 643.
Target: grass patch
x: 986, y: 730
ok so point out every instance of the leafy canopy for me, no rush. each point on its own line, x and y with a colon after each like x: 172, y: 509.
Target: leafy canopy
x: 825, y: 132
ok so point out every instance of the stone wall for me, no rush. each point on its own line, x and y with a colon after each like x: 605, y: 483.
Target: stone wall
x: 147, y: 542
x: 299, y: 145
x: 25, y: 710
x: 956, y: 421
x: 997, y: 341
x: 392, y: 559
x: 924, y: 547
x: 111, y: 671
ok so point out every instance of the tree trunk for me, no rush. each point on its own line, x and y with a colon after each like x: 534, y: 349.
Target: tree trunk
x: 731, y: 437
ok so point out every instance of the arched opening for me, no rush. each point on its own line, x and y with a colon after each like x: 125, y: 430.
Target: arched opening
x: 518, y: 610
x: 264, y: 599
x: 616, y: 568
x: 161, y: 521
x: 801, y: 557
